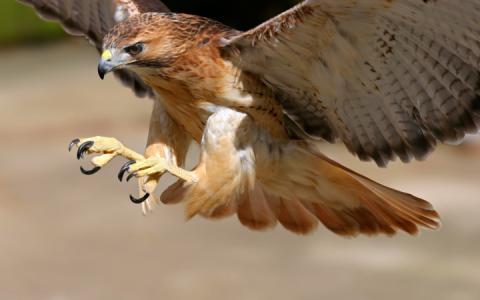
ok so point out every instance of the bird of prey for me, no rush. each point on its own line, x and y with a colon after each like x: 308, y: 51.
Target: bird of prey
x: 388, y: 78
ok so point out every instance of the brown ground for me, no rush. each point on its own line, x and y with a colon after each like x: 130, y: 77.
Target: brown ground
x: 67, y: 236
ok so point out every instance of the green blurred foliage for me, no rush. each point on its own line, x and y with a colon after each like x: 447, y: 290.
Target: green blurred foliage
x: 20, y: 24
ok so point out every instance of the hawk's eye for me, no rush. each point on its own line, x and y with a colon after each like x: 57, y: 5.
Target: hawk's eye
x: 134, y: 49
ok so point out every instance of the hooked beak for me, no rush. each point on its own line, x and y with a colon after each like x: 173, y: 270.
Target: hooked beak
x: 106, y: 64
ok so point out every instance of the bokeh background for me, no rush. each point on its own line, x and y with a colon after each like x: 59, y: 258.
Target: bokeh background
x: 67, y: 236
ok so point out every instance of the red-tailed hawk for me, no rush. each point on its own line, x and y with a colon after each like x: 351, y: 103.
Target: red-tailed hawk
x: 389, y: 78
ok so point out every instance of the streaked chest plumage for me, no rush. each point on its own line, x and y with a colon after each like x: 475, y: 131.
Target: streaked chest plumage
x: 192, y: 95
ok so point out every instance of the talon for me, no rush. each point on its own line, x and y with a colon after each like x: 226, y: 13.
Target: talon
x: 90, y: 172
x: 84, y: 148
x: 130, y: 176
x: 139, y: 200
x: 72, y: 144
x: 124, y: 169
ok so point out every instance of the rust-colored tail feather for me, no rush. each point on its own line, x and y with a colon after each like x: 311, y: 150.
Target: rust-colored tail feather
x: 293, y: 215
x: 376, y: 208
x: 254, y: 211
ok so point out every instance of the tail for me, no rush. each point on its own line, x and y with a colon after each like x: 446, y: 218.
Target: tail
x: 359, y: 205
x: 344, y: 201
x: 307, y: 188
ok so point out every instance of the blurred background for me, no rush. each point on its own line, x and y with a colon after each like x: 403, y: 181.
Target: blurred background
x: 67, y: 236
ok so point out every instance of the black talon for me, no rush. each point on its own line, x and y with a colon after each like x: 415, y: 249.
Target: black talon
x: 90, y: 172
x: 124, y: 169
x: 139, y: 200
x: 73, y: 143
x: 84, y: 148
x: 130, y: 176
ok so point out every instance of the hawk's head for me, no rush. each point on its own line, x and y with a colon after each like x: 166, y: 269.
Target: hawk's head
x: 146, y: 41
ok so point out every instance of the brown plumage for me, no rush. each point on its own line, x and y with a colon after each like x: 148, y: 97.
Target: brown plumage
x: 388, y: 78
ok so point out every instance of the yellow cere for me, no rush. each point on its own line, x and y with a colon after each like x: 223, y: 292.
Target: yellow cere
x: 106, y: 55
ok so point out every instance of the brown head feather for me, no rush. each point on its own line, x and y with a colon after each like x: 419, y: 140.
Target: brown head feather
x: 181, y: 30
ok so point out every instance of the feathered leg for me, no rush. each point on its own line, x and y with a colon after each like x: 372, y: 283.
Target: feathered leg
x: 226, y: 171
x: 226, y: 174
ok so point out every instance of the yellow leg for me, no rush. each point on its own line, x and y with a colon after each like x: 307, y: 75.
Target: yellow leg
x: 159, y: 165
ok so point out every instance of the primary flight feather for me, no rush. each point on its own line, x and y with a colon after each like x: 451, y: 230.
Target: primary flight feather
x: 389, y: 78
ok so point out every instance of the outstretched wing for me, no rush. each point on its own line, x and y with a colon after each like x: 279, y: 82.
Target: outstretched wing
x: 93, y: 19
x: 387, y: 77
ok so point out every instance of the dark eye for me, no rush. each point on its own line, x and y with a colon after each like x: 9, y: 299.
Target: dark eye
x: 134, y: 49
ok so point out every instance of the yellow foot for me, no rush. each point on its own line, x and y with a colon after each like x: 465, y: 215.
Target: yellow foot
x: 154, y: 166
x: 149, y: 171
x: 109, y: 148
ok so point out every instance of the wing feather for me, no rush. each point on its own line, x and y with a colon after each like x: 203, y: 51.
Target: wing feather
x: 93, y: 19
x: 388, y: 78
